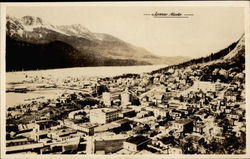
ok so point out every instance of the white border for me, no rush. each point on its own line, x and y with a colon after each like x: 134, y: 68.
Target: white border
x: 244, y: 4
x: 247, y: 67
x: 2, y: 75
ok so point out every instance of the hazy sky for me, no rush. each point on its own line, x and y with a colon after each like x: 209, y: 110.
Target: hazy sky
x: 208, y: 30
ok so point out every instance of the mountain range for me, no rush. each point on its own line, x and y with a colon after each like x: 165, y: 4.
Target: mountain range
x: 33, y: 43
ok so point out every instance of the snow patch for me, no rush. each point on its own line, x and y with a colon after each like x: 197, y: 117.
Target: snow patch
x: 20, y: 32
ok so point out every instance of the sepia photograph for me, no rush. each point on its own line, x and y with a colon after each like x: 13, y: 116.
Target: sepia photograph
x: 117, y: 79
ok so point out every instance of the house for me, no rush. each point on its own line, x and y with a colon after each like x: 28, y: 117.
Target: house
x: 44, y: 124
x: 183, y: 112
x: 233, y: 116
x: 158, y: 98
x: 136, y: 143
x: 183, y: 125
x: 199, y: 128
x: 161, y: 112
x: 231, y: 98
x: 175, y: 114
x: 26, y: 127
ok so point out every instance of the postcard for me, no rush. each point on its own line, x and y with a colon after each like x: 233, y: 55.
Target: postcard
x: 125, y: 80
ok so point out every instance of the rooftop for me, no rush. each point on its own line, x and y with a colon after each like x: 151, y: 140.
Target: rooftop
x: 193, y: 138
x: 123, y: 121
x: 88, y: 125
x: 106, y: 127
x: 127, y: 110
x: 183, y: 121
x: 137, y: 139
x: 105, y: 110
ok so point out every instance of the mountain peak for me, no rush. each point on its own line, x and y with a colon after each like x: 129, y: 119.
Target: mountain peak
x: 35, y: 22
x: 74, y: 28
x: 31, y: 20
x: 19, y: 27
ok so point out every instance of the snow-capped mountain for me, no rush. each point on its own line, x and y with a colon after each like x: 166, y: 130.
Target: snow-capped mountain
x: 76, y: 30
x: 26, y: 24
x: 35, y: 37
x: 14, y: 26
x: 30, y: 24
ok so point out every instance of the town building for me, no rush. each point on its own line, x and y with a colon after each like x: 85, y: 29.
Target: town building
x: 127, y: 113
x: 106, y: 97
x: 126, y: 97
x: 23, y: 145
x: 103, y: 115
x: 161, y: 112
x: 183, y: 125
x: 136, y: 143
x: 87, y: 127
x: 44, y: 124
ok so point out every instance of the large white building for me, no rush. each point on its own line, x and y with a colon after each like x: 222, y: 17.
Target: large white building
x: 103, y: 115
x: 106, y: 97
x: 126, y: 98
